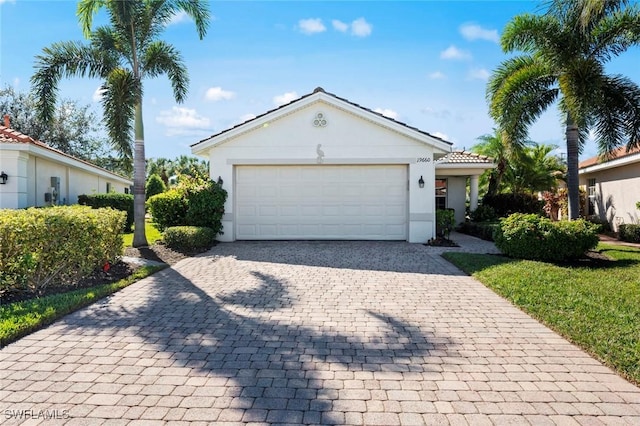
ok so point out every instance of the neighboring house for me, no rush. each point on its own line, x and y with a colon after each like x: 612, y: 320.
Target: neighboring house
x: 322, y: 167
x: 612, y: 186
x: 38, y: 175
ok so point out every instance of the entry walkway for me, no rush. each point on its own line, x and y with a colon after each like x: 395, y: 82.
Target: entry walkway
x: 374, y: 333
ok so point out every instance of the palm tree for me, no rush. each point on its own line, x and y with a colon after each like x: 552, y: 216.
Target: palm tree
x: 122, y: 55
x: 564, y: 53
x: 536, y: 170
x: 503, y: 150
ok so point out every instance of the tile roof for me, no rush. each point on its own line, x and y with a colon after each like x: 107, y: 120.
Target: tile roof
x: 464, y: 157
x: 615, y: 154
x: 321, y: 90
x: 12, y: 136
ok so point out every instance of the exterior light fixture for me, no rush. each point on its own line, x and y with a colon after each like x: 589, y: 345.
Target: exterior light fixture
x: 421, y: 182
x: 3, y: 178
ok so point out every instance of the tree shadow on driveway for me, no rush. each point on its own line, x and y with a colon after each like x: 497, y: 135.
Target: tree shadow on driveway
x: 253, y: 344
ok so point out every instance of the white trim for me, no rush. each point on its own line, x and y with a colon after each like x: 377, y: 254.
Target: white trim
x: 617, y: 162
x: 309, y: 162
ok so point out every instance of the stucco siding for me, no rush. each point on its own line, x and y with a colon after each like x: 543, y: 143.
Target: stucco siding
x: 617, y: 191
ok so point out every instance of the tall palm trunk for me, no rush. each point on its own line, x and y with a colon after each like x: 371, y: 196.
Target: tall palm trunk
x: 139, y: 235
x: 573, y: 141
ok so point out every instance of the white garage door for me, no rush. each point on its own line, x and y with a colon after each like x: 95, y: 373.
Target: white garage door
x: 321, y: 202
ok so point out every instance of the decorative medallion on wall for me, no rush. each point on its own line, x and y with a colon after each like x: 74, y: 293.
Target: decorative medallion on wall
x: 319, y: 120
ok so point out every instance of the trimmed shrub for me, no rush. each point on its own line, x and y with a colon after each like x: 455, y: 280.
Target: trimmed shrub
x: 529, y: 236
x: 189, y: 238
x: 122, y: 202
x: 194, y: 202
x: 484, y: 214
x: 57, y: 246
x: 168, y: 209
x: 483, y: 230
x: 506, y: 204
x: 205, y: 204
x: 154, y: 186
x: 445, y: 221
x: 629, y: 232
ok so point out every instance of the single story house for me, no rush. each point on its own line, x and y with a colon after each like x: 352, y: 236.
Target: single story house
x: 613, y: 186
x: 34, y: 174
x: 323, y: 167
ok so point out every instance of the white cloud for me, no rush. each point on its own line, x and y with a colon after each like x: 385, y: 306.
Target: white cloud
x: 311, y: 26
x: 387, y: 113
x: 285, y: 98
x: 7, y: 1
x: 16, y: 82
x: 453, y: 52
x: 343, y: 27
x: 246, y: 117
x: 476, y: 32
x: 180, y: 120
x: 440, y: 135
x: 361, y: 28
x: 218, y: 94
x: 179, y: 17
x: 479, y: 74
x: 97, y: 95
x: 437, y: 75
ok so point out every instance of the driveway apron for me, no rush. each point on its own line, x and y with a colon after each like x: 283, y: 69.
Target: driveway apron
x: 374, y: 333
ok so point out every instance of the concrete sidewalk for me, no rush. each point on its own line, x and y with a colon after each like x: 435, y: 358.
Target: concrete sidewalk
x: 375, y: 333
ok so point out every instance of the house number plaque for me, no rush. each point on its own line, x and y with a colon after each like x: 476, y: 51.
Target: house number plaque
x: 423, y: 160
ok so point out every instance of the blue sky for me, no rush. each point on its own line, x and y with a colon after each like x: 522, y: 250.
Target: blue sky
x: 425, y: 63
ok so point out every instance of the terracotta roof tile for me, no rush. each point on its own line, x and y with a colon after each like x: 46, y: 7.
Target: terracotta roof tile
x: 615, y: 154
x: 9, y: 135
x: 464, y: 157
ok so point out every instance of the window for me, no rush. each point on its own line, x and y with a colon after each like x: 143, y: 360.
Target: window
x: 591, y: 191
x: 441, y: 194
x: 126, y: 190
x: 108, y: 187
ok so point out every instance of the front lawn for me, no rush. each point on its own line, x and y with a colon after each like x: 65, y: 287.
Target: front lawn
x: 595, y: 305
x: 21, y: 318
x: 152, y: 232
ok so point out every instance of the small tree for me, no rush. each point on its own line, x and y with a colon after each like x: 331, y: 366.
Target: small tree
x: 154, y: 186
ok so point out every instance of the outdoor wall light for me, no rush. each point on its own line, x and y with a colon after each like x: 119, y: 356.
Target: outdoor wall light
x: 3, y: 178
x: 421, y: 182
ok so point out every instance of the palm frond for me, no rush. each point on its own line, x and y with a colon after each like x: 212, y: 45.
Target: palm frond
x: 518, y: 92
x: 121, y: 93
x: 529, y: 33
x: 615, y: 33
x: 163, y: 58
x: 66, y: 59
x: 85, y: 11
x: 617, y: 116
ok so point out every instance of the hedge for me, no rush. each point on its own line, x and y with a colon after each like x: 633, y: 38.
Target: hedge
x: 167, y: 209
x: 41, y: 248
x: 189, y: 238
x: 483, y: 230
x: 529, y: 236
x: 508, y: 203
x: 629, y: 232
x: 122, y: 202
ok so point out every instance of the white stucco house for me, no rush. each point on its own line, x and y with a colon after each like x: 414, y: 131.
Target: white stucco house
x: 32, y: 174
x: 323, y: 167
x: 612, y: 186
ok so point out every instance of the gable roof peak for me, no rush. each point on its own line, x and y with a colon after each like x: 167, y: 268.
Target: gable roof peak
x: 319, y: 89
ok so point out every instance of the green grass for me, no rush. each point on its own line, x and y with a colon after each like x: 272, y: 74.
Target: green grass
x: 595, y: 306
x: 21, y: 318
x: 152, y: 232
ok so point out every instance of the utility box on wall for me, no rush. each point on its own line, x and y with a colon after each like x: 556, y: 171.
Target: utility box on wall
x: 54, y: 191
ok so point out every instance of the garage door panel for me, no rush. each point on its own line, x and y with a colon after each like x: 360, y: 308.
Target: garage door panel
x: 321, y: 202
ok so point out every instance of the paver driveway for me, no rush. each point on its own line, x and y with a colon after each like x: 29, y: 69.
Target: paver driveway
x: 309, y: 332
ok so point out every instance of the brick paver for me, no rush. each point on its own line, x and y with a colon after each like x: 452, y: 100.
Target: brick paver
x: 309, y: 332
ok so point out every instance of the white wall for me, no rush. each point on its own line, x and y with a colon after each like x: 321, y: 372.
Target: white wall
x: 30, y: 178
x: 346, y: 139
x: 617, y: 192
x: 456, y: 196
